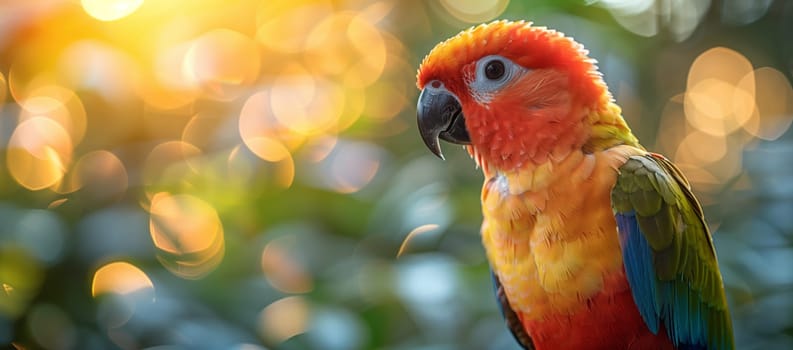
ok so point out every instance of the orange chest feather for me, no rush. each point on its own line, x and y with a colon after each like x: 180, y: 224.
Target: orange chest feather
x: 550, y: 234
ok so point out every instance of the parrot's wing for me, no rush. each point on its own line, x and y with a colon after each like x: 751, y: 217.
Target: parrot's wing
x: 513, y: 322
x: 668, y: 255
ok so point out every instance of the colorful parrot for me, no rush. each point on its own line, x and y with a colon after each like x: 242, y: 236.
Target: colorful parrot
x: 594, y: 242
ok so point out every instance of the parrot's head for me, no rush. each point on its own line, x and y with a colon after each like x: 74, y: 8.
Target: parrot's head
x: 514, y: 93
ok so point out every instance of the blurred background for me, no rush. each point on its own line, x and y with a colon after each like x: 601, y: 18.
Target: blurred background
x: 208, y: 174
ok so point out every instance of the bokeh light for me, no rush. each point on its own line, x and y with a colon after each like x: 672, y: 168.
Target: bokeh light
x: 110, y: 10
x: 105, y: 69
x: 473, y: 11
x: 121, y: 278
x: 169, y: 162
x: 283, y: 319
x: 774, y: 104
x: 187, y: 233
x: 348, y: 46
x: 121, y: 290
x: 59, y: 104
x: 221, y: 61
x: 99, y: 173
x: 39, y: 152
x: 286, y: 28
x: 679, y: 18
x: 348, y: 167
x: 283, y: 270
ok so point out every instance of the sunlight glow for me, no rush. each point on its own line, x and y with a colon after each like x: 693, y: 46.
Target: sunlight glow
x: 39, y: 153
x: 774, y: 105
x: 121, y: 278
x: 187, y: 233
x: 110, y: 10
x: 282, y: 269
x: 714, y: 78
x: 99, y: 173
x: 222, y: 61
x: 59, y: 104
x: 473, y: 11
x: 283, y: 319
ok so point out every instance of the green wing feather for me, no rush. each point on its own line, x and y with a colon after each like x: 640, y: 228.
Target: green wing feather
x: 668, y: 255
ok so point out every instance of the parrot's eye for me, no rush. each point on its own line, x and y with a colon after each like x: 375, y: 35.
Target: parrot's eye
x: 491, y: 74
x: 494, y: 70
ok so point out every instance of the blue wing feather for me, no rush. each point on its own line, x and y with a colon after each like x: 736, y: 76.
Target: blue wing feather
x: 637, y: 258
x: 667, y: 301
x: 685, y: 297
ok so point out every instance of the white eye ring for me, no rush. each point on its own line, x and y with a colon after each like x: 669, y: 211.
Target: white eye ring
x: 492, y: 73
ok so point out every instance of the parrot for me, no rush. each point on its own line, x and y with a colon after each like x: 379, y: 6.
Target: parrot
x: 593, y: 242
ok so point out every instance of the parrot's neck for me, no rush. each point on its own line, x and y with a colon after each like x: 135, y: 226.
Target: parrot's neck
x: 505, y: 142
x: 508, y: 146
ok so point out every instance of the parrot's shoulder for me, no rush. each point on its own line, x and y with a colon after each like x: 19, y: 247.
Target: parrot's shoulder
x: 608, y: 128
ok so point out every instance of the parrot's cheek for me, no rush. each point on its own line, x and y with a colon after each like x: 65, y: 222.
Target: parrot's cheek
x: 440, y: 116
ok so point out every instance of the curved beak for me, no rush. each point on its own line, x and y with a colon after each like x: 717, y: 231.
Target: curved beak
x: 440, y: 116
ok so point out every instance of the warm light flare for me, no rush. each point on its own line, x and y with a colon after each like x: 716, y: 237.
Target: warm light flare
x: 306, y: 104
x: 721, y: 63
x: 352, y: 174
x: 101, y: 67
x: 707, y: 111
x: 257, y: 120
x: 282, y: 269
x: 175, y: 69
x: 200, y: 129
x: 39, y: 152
x: 319, y: 148
x: 414, y: 233
x: 720, y: 95
x: 100, y: 173
x: 182, y: 223
x: 59, y: 104
x: 348, y: 46
x: 774, y: 102
x: 163, y: 97
x: 169, y: 162
x: 349, y: 167
x: 110, y: 10
x: 283, y: 319
x: 267, y: 148
x: 703, y: 147
x: 474, y: 11
x: 222, y: 61
x: 188, y: 234
x: 285, y: 28
x: 724, y: 96
x: 57, y: 203
x: 25, y: 75
x: 385, y: 100
x: 120, y: 278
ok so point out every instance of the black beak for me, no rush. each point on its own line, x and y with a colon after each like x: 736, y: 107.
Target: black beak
x: 440, y: 115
